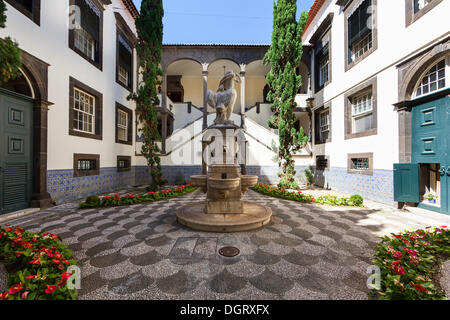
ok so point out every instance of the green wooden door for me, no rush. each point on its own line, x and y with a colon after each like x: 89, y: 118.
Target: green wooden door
x: 406, y: 182
x: 16, y: 124
x: 430, y: 134
x: 445, y: 179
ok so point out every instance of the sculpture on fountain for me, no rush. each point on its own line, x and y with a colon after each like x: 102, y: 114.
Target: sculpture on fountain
x: 225, y: 98
x: 224, y: 209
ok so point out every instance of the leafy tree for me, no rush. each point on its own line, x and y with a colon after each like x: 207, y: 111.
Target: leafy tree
x: 284, y: 56
x: 10, y: 59
x: 150, y: 34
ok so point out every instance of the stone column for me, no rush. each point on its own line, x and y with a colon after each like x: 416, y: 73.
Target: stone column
x: 242, y: 74
x: 40, y: 198
x: 164, y: 92
x: 164, y: 131
x: 205, y: 90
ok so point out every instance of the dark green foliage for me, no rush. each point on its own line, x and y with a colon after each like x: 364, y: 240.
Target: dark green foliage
x: 357, y: 200
x: 10, y: 59
x: 284, y: 56
x: 93, y: 199
x: 150, y: 34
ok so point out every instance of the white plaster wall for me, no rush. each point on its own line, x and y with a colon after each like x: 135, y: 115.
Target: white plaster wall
x: 396, y: 43
x: 261, y: 118
x: 49, y: 42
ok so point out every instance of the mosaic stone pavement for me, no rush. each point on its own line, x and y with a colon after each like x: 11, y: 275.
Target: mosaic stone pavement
x: 140, y: 252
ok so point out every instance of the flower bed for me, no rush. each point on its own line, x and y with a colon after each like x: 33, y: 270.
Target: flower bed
x: 116, y: 200
x: 37, y: 265
x: 408, y: 262
x: 355, y: 200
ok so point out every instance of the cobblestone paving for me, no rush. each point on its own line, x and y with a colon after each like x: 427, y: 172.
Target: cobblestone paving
x: 140, y: 252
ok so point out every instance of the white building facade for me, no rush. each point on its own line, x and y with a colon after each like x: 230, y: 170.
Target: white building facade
x: 374, y: 64
x: 370, y: 75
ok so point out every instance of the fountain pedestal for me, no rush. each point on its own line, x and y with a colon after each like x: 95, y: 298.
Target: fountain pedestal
x: 224, y: 209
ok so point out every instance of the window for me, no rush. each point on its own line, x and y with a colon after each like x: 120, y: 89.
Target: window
x: 322, y: 62
x: 416, y: 9
x: 322, y: 119
x: 361, y: 110
x: 434, y: 79
x: 123, y: 163
x: 124, y: 124
x: 125, y: 42
x: 86, y: 165
x: 361, y: 35
x: 420, y: 4
x: 85, y: 110
x: 324, y: 124
x: 360, y: 163
x: 85, y: 43
x: 361, y: 46
x: 29, y: 8
x: 322, y: 163
x: 86, y: 40
x: 124, y: 62
x: 323, y: 73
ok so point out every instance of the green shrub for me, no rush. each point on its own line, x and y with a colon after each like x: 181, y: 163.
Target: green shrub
x: 93, y: 199
x: 357, y: 200
x: 37, y: 263
x: 307, y: 198
x: 129, y: 199
x: 408, y: 261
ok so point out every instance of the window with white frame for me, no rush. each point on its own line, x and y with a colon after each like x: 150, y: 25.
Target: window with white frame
x: 84, y: 42
x: 324, y: 121
x: 436, y: 78
x: 360, y: 35
x: 122, y: 125
x: 84, y: 112
x: 361, y: 46
x: 420, y: 4
x: 123, y: 75
x: 324, y: 70
x: 362, y: 112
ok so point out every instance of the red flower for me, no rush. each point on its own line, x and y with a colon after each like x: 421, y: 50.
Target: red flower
x: 3, y: 296
x: 65, y: 276
x: 443, y: 226
x: 35, y: 262
x: 8, y: 229
x: 117, y: 197
x: 399, y: 270
x: 30, y: 277
x: 15, y: 289
x: 410, y: 251
x: 50, y: 289
x: 25, y: 294
x: 313, y: 199
x: 419, y: 288
x: 299, y: 192
x: 397, y: 254
x: 56, y: 261
x: 396, y: 262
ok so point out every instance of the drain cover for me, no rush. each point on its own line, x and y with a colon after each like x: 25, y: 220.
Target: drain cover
x: 229, y: 252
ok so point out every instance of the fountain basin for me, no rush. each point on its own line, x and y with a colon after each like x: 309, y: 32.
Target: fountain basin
x: 224, y: 184
x: 200, y: 181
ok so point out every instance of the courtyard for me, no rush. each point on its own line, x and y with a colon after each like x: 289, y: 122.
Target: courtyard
x: 306, y: 252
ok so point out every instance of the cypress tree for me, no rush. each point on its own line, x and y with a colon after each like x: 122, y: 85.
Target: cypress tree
x: 150, y: 34
x: 284, y: 56
x: 10, y: 59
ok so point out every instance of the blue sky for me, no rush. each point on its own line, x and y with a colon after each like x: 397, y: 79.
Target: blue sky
x: 220, y: 21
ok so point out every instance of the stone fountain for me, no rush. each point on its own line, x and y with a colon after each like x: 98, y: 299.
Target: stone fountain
x: 224, y: 209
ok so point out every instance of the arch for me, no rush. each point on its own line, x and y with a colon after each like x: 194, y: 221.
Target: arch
x: 166, y: 64
x: 416, y: 68
x: 185, y: 82
x: 21, y: 85
x: 215, y: 67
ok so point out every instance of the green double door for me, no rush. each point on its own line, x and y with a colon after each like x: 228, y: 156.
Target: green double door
x: 430, y: 148
x: 16, y: 151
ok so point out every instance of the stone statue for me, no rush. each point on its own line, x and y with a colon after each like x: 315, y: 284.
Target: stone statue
x: 225, y: 98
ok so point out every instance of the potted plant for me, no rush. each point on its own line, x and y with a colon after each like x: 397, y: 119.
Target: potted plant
x: 431, y: 198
